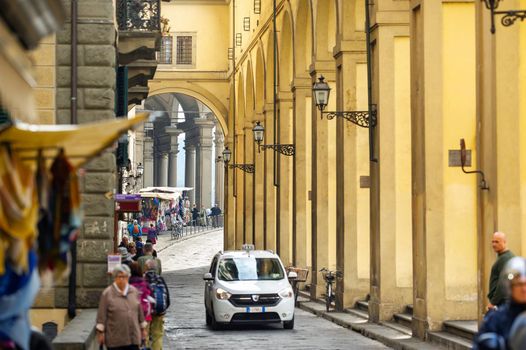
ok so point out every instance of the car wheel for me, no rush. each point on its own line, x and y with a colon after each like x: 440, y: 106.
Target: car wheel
x: 214, y: 324
x: 289, y: 324
x: 208, y: 318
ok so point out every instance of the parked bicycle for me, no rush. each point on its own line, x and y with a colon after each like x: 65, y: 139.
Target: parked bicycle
x: 177, y: 230
x: 330, y: 278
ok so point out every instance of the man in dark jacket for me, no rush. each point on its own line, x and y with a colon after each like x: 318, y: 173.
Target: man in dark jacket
x: 195, y: 215
x: 494, y: 333
x: 497, y: 292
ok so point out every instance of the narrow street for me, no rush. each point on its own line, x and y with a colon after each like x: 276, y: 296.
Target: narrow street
x: 185, y: 263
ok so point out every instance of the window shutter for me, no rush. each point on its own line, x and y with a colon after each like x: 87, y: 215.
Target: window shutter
x: 121, y: 92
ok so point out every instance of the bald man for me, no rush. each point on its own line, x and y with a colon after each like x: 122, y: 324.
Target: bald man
x: 497, y: 290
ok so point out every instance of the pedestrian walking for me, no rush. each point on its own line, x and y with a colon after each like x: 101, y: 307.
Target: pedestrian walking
x: 195, y: 215
x: 124, y: 242
x: 145, y: 293
x: 162, y: 301
x: 495, y: 331
x: 135, y: 230
x: 120, y: 319
x: 216, y: 212
x: 148, y: 255
x: 152, y: 234
x: 497, y: 292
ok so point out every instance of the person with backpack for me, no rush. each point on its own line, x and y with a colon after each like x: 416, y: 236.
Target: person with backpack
x: 135, y: 230
x: 148, y: 255
x: 145, y: 293
x: 161, y: 296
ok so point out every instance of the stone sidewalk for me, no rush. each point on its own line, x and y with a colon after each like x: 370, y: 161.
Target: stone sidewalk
x: 389, y: 334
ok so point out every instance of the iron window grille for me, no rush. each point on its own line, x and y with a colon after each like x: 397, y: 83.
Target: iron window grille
x: 166, y: 55
x: 239, y: 39
x: 257, y: 7
x: 184, y: 50
x: 230, y: 53
x: 246, y: 24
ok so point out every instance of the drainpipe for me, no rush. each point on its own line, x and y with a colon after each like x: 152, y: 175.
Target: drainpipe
x: 234, y: 99
x: 72, y: 288
x: 369, y: 81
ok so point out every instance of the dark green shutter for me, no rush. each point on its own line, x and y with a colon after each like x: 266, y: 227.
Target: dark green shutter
x: 121, y: 93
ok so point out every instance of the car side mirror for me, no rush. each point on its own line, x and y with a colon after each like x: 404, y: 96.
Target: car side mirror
x: 293, y: 275
x: 208, y: 277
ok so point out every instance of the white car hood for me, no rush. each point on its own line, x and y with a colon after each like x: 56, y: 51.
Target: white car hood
x: 253, y: 287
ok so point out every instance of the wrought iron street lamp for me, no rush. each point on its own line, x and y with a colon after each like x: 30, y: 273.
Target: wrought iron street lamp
x: 509, y: 16
x: 227, y: 155
x: 322, y: 91
x: 259, y: 135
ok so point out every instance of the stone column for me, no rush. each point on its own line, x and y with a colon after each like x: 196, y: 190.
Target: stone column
x: 444, y: 199
x: 286, y: 187
x: 174, y: 150
x: 219, y: 142
x: 390, y: 214
x: 190, y: 169
x: 323, y: 186
x: 204, y: 162
x: 148, y: 179
x: 259, y: 196
x: 248, y: 191
x: 96, y: 87
x: 269, y: 188
x: 163, y: 170
x: 302, y: 164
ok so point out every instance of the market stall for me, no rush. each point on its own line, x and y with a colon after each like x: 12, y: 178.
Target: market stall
x: 162, y: 205
x: 40, y: 208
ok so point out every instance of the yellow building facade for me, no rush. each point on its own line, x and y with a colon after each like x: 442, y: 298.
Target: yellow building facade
x: 408, y: 227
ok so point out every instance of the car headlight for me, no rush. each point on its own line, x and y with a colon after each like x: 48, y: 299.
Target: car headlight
x: 287, y: 293
x: 222, y: 294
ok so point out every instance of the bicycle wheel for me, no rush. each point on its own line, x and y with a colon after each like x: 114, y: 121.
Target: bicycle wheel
x: 328, y: 297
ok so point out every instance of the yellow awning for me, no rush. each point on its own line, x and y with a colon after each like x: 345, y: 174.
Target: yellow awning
x: 79, y: 142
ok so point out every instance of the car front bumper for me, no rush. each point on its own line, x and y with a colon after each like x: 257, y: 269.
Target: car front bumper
x: 225, y: 312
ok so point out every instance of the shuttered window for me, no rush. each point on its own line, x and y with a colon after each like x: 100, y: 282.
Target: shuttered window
x: 184, y: 50
x: 166, y: 50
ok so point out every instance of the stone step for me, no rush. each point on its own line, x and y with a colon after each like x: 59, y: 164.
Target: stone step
x: 464, y: 329
x: 358, y: 312
x: 450, y: 341
x: 403, y: 319
x: 398, y: 327
x: 362, y: 305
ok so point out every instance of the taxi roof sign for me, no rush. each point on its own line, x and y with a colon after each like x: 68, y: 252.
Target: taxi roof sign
x: 248, y: 247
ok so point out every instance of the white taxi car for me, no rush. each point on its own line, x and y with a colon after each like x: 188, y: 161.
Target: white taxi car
x: 248, y: 286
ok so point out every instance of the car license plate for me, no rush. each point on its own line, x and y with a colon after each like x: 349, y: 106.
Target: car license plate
x: 255, y: 309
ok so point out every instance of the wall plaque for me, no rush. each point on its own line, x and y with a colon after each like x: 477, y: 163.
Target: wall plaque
x: 365, y: 182
x: 454, y: 158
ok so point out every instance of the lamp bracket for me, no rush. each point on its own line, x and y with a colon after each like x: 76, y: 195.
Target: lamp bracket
x: 247, y: 168
x: 360, y: 118
x: 285, y: 149
x: 509, y: 16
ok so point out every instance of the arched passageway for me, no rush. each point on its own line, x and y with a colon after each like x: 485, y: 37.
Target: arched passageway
x: 180, y: 147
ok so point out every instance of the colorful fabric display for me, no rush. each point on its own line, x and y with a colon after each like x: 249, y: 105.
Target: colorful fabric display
x: 59, y: 230
x: 18, y: 211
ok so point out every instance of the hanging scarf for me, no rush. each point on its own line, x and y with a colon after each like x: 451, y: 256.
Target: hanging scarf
x: 59, y: 228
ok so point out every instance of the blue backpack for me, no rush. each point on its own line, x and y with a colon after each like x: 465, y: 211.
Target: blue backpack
x: 159, y: 292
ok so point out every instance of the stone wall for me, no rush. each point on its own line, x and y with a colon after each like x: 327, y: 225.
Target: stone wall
x: 96, y: 90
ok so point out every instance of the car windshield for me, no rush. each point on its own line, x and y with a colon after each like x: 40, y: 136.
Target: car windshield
x: 250, y: 269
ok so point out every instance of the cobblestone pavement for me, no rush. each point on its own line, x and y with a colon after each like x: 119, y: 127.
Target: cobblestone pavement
x: 184, y: 264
